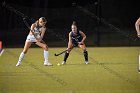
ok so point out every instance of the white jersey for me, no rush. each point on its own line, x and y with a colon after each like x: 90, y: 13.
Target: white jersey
x: 31, y: 38
x: 37, y: 30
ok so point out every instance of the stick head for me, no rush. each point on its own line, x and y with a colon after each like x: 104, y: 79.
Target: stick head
x: 55, y: 55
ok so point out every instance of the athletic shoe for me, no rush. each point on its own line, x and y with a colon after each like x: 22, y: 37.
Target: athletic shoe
x: 86, y: 62
x: 47, y: 64
x: 63, y: 63
x: 18, y: 64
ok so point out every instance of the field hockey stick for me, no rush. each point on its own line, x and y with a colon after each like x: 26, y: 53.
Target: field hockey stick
x: 57, y: 54
x: 25, y: 22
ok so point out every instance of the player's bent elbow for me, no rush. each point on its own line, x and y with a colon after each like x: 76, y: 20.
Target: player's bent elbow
x: 85, y: 37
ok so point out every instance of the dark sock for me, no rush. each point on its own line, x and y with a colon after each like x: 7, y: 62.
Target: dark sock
x: 66, y: 56
x: 86, y: 55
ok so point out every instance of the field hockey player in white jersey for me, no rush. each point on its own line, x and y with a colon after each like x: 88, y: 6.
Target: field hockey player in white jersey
x: 35, y: 36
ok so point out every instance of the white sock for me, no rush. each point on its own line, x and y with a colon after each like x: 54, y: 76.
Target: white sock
x: 21, y: 57
x: 46, y: 53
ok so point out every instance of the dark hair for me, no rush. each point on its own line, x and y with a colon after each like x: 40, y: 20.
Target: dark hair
x: 74, y: 23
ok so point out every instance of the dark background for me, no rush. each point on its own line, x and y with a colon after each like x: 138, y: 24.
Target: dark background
x: 105, y: 22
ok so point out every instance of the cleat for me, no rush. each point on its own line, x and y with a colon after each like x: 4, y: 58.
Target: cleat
x: 18, y: 64
x: 86, y: 62
x: 47, y: 64
x: 63, y: 63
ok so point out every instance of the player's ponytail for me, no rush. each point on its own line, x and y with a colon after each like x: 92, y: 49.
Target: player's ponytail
x: 74, y: 23
x: 37, y: 23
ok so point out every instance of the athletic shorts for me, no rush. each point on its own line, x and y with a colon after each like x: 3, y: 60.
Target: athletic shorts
x: 31, y: 38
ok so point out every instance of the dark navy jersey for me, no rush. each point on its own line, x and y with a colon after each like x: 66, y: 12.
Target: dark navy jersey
x: 76, y: 38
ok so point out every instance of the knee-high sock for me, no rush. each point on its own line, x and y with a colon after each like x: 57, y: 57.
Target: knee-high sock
x: 66, y: 56
x: 46, y: 54
x: 86, y: 55
x: 21, y: 57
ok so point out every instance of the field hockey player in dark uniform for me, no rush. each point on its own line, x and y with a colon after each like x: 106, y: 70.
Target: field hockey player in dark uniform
x: 76, y: 38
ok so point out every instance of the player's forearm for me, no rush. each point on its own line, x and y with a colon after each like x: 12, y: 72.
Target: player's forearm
x: 83, y: 39
x: 69, y: 44
x: 43, y: 33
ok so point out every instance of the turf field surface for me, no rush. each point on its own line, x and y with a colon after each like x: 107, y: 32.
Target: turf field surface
x: 111, y: 70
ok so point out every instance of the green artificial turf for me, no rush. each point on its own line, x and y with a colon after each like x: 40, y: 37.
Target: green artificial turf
x: 111, y: 70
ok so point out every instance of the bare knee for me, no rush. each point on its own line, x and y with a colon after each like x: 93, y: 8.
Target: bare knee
x: 69, y: 50
x: 25, y: 51
x: 84, y: 49
x: 26, y: 47
x: 45, y: 47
